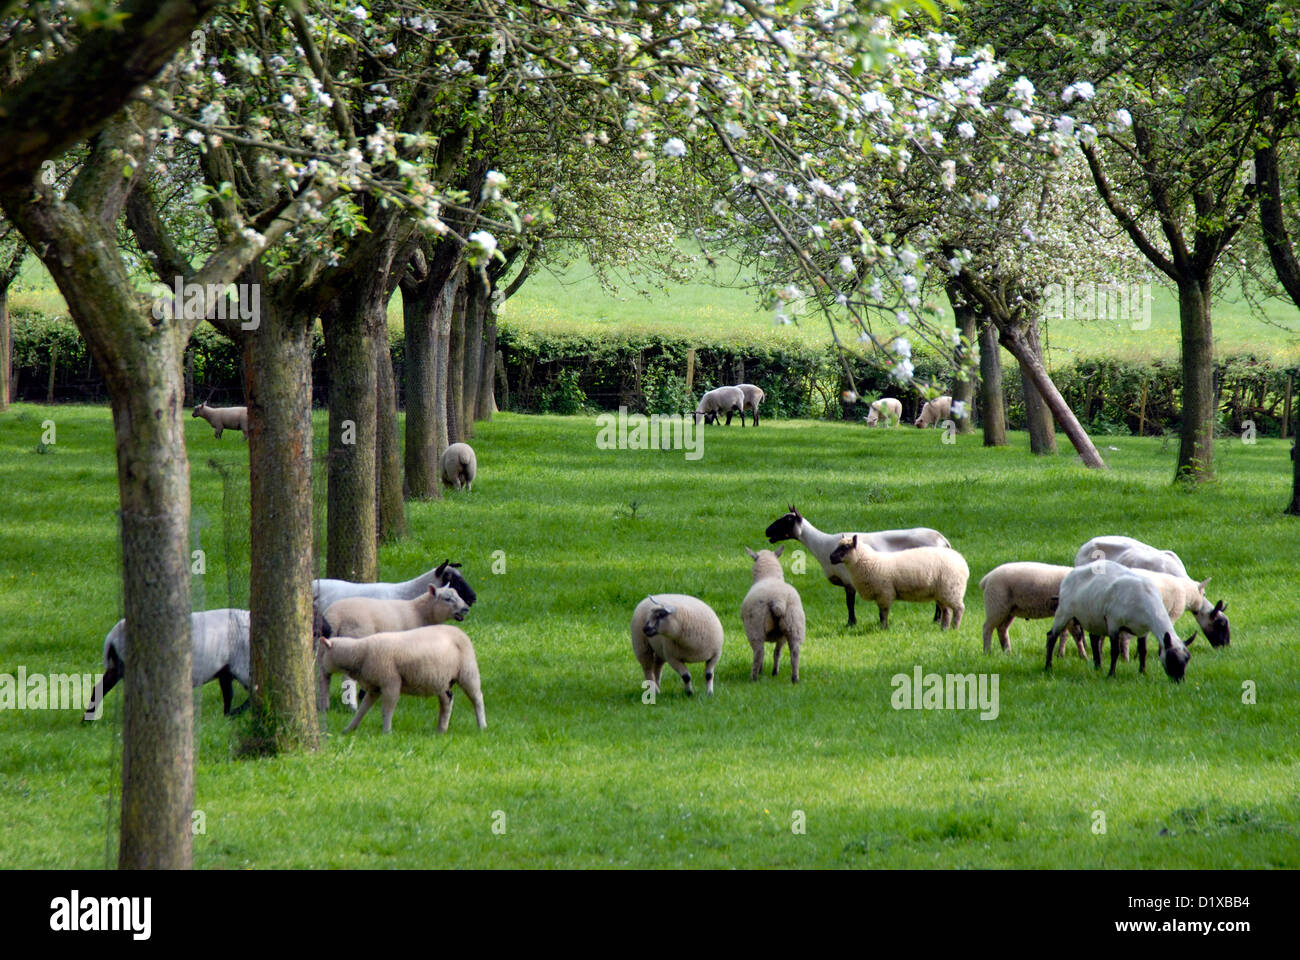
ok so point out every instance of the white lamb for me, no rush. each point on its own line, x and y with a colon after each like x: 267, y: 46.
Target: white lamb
x: 224, y: 418
x: 676, y: 629
x: 728, y: 400
x: 459, y: 466
x: 793, y: 526
x: 1108, y: 600
x: 753, y: 397
x: 938, y: 574
x: 934, y: 412
x: 1027, y: 590
x: 220, y: 640
x: 772, y: 613
x: 426, y: 662
x: 885, y: 409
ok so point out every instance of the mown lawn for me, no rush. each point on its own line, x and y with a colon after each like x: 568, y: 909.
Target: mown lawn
x: 577, y: 771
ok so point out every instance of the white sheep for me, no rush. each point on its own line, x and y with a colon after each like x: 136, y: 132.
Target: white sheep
x: 728, y: 400
x: 363, y: 616
x: 425, y: 663
x: 459, y: 465
x: 772, y: 613
x: 934, y: 412
x: 1137, y: 555
x: 937, y: 574
x: 887, y: 409
x: 220, y: 641
x: 676, y: 629
x: 224, y: 418
x: 753, y: 397
x: 1181, y: 594
x: 1108, y: 600
x: 1027, y: 590
x: 793, y: 526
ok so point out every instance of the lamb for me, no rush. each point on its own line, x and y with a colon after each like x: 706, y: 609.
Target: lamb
x: 920, y: 573
x: 1108, y: 599
x: 220, y: 639
x: 426, y: 662
x: 753, y: 397
x: 792, y: 526
x: 224, y: 418
x: 363, y: 616
x: 887, y: 409
x: 1026, y: 590
x: 728, y: 400
x: 459, y: 465
x: 676, y: 629
x: 934, y: 412
x: 1141, y: 556
x: 772, y: 613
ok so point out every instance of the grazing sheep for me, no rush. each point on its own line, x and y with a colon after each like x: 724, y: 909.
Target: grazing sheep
x: 792, y: 526
x: 459, y: 465
x: 920, y: 573
x: 1181, y: 594
x: 425, y: 663
x: 1141, y: 556
x: 728, y: 400
x: 224, y: 418
x: 1107, y: 600
x: 772, y: 613
x: 753, y: 397
x: 676, y: 629
x: 887, y: 409
x: 934, y: 412
x: 220, y: 639
x: 1026, y: 590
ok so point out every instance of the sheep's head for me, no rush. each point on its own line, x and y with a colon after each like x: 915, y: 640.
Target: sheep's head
x: 657, y: 615
x: 450, y: 601
x: 447, y: 575
x: 1174, y: 655
x: 846, y: 546
x: 198, y: 411
x: 1214, y: 623
x: 785, y: 527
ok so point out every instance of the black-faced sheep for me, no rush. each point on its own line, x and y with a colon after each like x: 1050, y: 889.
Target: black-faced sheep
x: 728, y: 400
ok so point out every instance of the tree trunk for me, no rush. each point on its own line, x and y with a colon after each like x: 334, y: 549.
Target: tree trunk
x: 475, y: 306
x: 487, y: 403
x: 964, y: 390
x: 994, y: 409
x: 1038, y: 415
x: 1032, y: 367
x: 351, y: 536
x: 1294, y: 507
x: 390, y: 508
x: 6, y: 348
x: 456, y: 367
x: 277, y: 363
x: 428, y: 296
x: 1196, y: 436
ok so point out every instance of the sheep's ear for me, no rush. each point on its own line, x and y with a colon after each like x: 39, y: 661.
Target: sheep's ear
x: 855, y: 541
x: 752, y: 554
x: 325, y: 642
x: 1201, y: 585
x: 1190, y: 637
x: 438, y: 570
x: 1221, y: 606
x: 779, y: 550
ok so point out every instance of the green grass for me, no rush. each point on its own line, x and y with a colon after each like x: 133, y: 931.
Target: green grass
x: 587, y: 775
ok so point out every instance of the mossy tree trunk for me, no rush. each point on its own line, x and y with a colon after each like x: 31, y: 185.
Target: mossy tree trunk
x: 390, y: 507
x: 963, y: 388
x: 476, y: 301
x: 456, y: 366
x: 1196, y: 433
x: 991, y: 398
x: 1038, y: 416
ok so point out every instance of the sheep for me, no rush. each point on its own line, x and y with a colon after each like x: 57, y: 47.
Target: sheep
x: 792, y: 526
x: 326, y: 593
x: 887, y: 409
x: 1108, y: 599
x: 920, y: 573
x: 934, y: 412
x: 1137, y: 555
x: 224, y: 418
x: 728, y: 400
x: 1026, y: 590
x: 459, y: 465
x: 426, y: 662
x: 363, y: 616
x: 676, y: 629
x: 753, y: 397
x: 772, y: 613
x: 220, y: 639
x: 1180, y: 594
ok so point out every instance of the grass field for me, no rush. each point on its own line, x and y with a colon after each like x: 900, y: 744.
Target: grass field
x: 577, y: 771
x: 575, y: 302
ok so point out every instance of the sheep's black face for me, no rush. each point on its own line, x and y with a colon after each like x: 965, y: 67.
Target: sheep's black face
x: 450, y: 577
x: 653, y: 621
x: 1218, y: 632
x: 1175, y: 660
x: 782, y: 528
x: 838, y: 553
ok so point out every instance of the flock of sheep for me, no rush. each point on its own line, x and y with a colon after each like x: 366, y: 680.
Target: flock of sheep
x: 394, y: 638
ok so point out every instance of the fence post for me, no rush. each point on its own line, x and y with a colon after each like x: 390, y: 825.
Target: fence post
x: 690, y: 368
x: 54, y: 361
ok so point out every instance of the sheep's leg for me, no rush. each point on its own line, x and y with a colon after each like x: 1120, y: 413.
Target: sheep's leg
x: 1077, y: 632
x: 1004, y: 636
x: 474, y: 691
x: 850, y: 596
x: 1095, y: 640
x: 938, y: 615
x: 390, y: 695
x: 794, y: 663
x: 366, y: 704
x: 755, y: 412
x: 988, y: 636
x: 1051, y: 642
x: 656, y: 673
x: 1142, y: 653
x: 955, y: 614
x: 708, y: 675
x: 945, y: 619
x: 445, y: 703
x: 680, y: 669
x: 884, y: 616
x: 322, y: 691
x: 730, y: 414
x: 776, y: 654
x: 1124, y: 646
x: 218, y: 428
x: 758, y: 660
x: 1114, y: 652
x: 227, y: 689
